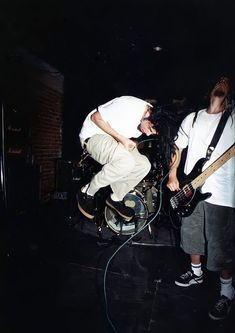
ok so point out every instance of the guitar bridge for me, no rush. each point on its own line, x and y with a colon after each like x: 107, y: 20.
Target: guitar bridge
x: 174, y: 203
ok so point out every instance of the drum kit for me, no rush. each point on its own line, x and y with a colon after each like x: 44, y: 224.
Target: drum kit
x: 144, y: 199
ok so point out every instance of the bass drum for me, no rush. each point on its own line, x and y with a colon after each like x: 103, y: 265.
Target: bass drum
x: 134, y: 200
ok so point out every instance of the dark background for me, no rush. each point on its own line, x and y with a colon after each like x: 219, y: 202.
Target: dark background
x: 106, y: 49
x: 51, y: 265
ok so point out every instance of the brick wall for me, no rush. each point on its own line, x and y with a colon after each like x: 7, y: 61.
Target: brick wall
x: 35, y: 90
x: 47, y: 136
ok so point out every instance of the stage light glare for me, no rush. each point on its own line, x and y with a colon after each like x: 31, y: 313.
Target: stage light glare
x: 157, y: 48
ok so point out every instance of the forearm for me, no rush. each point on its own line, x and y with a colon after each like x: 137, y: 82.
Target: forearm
x: 173, y: 183
x: 175, y: 161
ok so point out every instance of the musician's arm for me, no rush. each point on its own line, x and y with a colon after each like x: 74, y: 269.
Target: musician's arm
x: 105, y: 126
x: 173, y: 182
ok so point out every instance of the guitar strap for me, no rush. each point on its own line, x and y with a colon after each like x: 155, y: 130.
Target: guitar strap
x: 217, y: 134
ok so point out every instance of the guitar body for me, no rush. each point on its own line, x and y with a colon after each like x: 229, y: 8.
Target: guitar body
x: 184, y: 202
x: 188, y: 207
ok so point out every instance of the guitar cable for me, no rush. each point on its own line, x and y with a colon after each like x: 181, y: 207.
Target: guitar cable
x: 122, y: 245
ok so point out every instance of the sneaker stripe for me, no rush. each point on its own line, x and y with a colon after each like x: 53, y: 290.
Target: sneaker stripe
x: 188, y: 279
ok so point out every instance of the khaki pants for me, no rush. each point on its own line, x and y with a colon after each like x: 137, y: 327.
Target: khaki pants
x: 122, y: 169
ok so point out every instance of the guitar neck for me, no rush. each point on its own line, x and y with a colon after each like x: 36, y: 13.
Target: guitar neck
x: 200, y: 180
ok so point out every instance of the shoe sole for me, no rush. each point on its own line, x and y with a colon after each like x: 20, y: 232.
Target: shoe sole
x: 216, y: 318
x: 127, y: 218
x: 89, y: 216
x: 189, y: 284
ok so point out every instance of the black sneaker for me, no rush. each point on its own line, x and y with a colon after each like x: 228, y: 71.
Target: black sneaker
x: 221, y: 308
x: 126, y: 212
x: 86, y: 204
x: 188, y: 279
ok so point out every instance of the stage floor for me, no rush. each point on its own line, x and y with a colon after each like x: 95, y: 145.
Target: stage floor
x: 59, y: 276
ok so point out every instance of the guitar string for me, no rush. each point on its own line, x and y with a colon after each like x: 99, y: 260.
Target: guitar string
x: 188, y: 188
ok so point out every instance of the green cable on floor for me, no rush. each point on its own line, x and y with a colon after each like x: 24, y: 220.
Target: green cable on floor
x: 121, y: 246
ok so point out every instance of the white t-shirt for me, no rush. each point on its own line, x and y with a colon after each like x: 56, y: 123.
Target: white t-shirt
x: 122, y: 113
x: 222, y: 182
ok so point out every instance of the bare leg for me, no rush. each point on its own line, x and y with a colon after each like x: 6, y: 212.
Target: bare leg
x: 195, y: 259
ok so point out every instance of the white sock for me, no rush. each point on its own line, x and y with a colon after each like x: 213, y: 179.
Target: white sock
x: 114, y: 197
x: 85, y: 189
x: 197, y: 269
x: 227, y: 288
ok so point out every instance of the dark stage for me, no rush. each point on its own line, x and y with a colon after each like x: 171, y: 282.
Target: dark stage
x: 52, y: 278
x: 52, y: 261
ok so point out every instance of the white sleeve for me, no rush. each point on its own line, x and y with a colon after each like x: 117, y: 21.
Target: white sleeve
x: 182, y: 137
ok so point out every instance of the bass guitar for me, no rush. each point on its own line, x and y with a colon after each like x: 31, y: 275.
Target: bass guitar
x: 184, y: 201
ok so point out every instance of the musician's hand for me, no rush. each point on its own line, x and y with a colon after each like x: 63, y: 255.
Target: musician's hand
x: 128, y: 144
x: 173, y: 183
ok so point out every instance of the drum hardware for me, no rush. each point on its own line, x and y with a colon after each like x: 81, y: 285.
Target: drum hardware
x: 143, y: 199
x: 135, y: 201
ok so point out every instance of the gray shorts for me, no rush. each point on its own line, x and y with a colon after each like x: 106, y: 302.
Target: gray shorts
x: 210, y: 231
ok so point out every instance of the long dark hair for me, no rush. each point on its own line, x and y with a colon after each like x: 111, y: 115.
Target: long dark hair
x: 221, y: 87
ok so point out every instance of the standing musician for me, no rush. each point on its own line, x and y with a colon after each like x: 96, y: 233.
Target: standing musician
x: 210, y: 230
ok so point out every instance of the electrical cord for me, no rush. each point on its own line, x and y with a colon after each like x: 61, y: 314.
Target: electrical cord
x: 122, y: 245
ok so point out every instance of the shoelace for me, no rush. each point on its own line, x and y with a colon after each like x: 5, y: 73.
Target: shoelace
x: 186, y: 275
x: 220, y: 304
